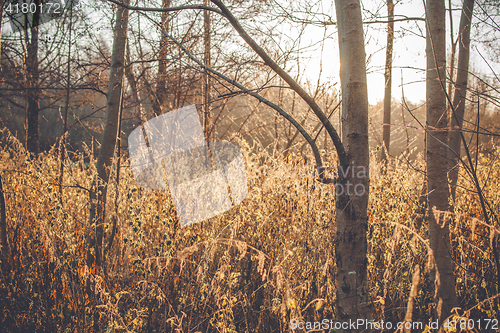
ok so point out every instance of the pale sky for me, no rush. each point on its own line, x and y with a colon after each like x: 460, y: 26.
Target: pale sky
x: 409, y: 56
x: 409, y: 48
x: 409, y: 60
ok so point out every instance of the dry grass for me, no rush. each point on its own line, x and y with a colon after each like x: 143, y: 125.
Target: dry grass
x: 250, y: 269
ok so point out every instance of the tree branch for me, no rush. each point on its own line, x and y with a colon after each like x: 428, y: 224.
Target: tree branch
x: 167, y: 9
x: 309, y: 139
x: 288, y: 79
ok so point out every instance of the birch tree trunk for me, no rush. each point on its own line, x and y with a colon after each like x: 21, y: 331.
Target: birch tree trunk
x: 386, y: 135
x: 457, y: 119
x: 436, y: 157
x: 108, y: 142
x: 352, y: 186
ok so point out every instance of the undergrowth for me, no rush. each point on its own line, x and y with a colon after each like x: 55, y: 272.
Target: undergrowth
x: 252, y: 269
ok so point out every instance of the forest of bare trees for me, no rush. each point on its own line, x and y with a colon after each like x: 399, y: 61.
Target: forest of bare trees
x: 353, y: 212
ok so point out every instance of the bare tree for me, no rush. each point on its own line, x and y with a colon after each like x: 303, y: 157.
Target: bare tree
x: 33, y: 89
x: 140, y: 114
x: 2, y: 2
x: 108, y: 143
x: 437, y: 186
x: 458, y: 110
x: 453, y: 50
x: 3, y: 220
x: 351, y: 220
x: 62, y: 143
x: 160, y: 96
x: 207, y: 81
x: 386, y: 136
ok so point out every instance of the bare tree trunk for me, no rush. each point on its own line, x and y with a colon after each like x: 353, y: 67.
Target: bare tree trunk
x: 411, y: 298
x: 141, y: 115
x: 352, y: 186
x: 33, y: 91
x: 1, y: 26
x: 3, y: 220
x: 386, y: 136
x: 456, y: 120
x: 437, y: 137
x: 117, y: 181
x: 66, y: 109
x: 452, y: 55
x: 108, y: 142
x: 161, y: 93
x: 206, y: 61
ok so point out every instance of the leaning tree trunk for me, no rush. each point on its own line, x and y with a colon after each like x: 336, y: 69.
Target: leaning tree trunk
x: 436, y: 156
x: 457, y: 118
x: 108, y: 142
x: 352, y: 222
x: 386, y: 135
x: 33, y: 91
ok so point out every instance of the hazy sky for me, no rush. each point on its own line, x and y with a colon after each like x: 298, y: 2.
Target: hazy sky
x: 409, y: 46
x: 409, y: 60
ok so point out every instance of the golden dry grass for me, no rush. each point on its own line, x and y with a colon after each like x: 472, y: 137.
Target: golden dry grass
x: 251, y: 269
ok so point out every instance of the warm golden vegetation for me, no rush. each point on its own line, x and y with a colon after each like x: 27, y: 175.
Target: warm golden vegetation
x: 252, y: 269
